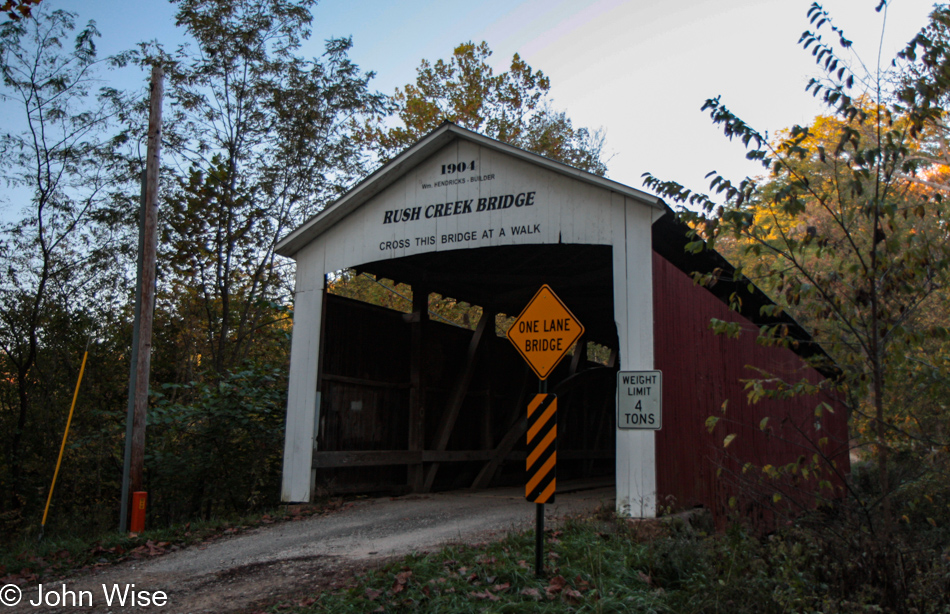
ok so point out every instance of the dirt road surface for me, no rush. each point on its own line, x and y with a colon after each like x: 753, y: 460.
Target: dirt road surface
x: 292, y: 559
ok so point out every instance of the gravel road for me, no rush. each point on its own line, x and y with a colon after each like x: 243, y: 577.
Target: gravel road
x: 294, y: 558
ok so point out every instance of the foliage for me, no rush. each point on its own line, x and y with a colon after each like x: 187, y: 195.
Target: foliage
x: 266, y: 139
x: 923, y: 95
x: 848, y: 244
x: 255, y: 139
x: 202, y: 432
x: 597, y: 566
x: 385, y: 293
x: 366, y: 288
x: 513, y: 107
x: 59, y: 280
x: 18, y: 9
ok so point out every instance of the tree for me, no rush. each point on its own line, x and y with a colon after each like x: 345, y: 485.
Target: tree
x: 59, y: 169
x: 513, y: 106
x: 846, y: 239
x: 924, y: 94
x: 266, y: 139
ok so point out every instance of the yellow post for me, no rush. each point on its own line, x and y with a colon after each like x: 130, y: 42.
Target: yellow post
x: 63, y: 446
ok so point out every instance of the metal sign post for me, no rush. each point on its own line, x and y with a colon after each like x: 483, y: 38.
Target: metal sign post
x: 543, y: 334
x: 541, y: 464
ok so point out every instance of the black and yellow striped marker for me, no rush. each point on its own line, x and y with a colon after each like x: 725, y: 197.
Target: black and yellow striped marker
x: 542, y: 449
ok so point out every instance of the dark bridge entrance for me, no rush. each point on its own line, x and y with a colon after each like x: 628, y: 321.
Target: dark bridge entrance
x: 413, y: 403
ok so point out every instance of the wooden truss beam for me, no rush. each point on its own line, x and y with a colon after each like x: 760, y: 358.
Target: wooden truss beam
x: 518, y: 427
x: 417, y: 422
x: 374, y: 458
x: 450, y: 415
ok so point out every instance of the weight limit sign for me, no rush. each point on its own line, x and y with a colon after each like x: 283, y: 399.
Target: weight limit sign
x: 542, y: 449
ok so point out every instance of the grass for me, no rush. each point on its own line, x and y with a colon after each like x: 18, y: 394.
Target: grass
x: 501, y: 577
x: 591, y: 565
x: 598, y: 565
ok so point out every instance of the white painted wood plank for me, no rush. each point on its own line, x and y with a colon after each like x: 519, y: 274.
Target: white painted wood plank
x: 562, y: 209
x: 302, y: 410
x: 636, y: 450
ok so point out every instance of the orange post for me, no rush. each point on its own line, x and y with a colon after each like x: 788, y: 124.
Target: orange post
x: 138, y: 511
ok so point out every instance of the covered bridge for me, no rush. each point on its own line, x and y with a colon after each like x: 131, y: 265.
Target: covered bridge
x: 383, y: 400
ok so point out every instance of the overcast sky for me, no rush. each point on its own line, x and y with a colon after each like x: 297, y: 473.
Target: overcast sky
x: 640, y: 70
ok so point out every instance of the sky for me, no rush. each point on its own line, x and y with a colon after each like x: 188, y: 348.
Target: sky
x: 640, y: 70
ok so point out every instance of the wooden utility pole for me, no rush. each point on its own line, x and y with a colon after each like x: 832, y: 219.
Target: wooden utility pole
x: 133, y: 366
x: 147, y: 279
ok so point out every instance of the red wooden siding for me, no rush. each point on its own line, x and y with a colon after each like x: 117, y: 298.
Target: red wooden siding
x: 701, y: 370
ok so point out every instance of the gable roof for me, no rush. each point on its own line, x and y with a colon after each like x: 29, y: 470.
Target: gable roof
x: 415, y: 155
x: 669, y: 234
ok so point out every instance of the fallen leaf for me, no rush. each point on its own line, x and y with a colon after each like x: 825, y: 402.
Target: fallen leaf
x: 556, y: 586
x: 372, y: 595
x: 154, y: 549
x: 531, y: 592
x: 501, y: 587
x: 646, y: 578
x: 485, y: 595
x: 400, y: 584
x: 572, y: 596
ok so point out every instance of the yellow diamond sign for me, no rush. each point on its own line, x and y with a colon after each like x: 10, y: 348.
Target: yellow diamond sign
x: 544, y: 332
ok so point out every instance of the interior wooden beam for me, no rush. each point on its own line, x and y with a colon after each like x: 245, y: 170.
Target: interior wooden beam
x: 374, y: 458
x: 420, y: 311
x: 501, y: 453
x: 360, y: 381
x: 450, y: 415
x: 517, y: 426
x: 580, y: 353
